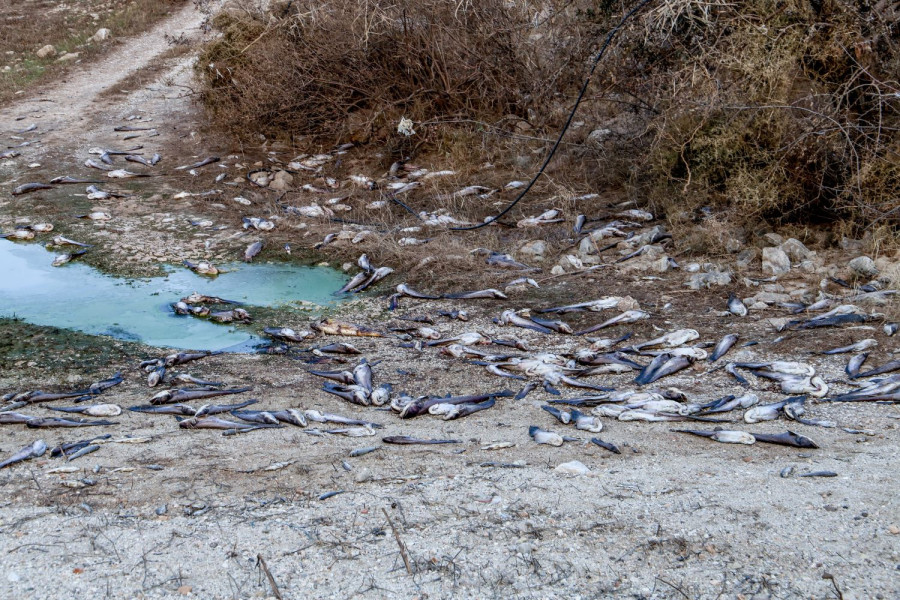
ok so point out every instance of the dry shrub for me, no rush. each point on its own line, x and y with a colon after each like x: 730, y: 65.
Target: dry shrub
x: 350, y: 68
x: 785, y: 111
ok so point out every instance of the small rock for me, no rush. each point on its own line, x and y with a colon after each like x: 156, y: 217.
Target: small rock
x: 851, y: 245
x: 535, y: 249
x: 863, y: 266
x: 557, y: 270
x: 161, y: 510
x: 101, y: 35
x: 68, y: 57
x: 894, y: 530
x: 13, y: 577
x: 775, y: 261
x: 281, y: 182
x: 184, y: 590
x: 746, y: 258
x: 773, y: 238
x: 707, y: 280
x: 46, y: 51
x: 733, y: 245
x: 572, y: 468
x: 363, y: 475
x: 795, y: 250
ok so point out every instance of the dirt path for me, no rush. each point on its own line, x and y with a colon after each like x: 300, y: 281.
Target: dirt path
x: 69, y: 112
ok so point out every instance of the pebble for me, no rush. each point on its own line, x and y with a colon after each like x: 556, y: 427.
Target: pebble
x: 573, y: 467
x: 863, y: 266
x: 775, y: 261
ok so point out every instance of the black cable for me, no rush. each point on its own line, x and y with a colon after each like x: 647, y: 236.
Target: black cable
x: 565, y: 128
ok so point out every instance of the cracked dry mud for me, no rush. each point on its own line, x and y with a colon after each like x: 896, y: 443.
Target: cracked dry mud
x: 188, y: 512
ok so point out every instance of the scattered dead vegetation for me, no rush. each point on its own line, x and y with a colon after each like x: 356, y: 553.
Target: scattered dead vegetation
x: 780, y: 112
x: 68, y: 29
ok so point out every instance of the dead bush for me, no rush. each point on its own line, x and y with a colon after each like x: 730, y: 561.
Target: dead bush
x: 349, y: 69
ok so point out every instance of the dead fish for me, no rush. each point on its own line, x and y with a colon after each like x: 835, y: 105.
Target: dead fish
x: 457, y: 411
x: 92, y: 164
x: 605, y: 445
x: 788, y: 438
x: 252, y: 250
x: 355, y: 282
x: 729, y: 403
x: 629, y: 316
x: 19, y: 234
x: 405, y: 290
x: 132, y: 128
x: 30, y: 187
x: 557, y: 326
x: 82, y: 451
x: 819, y: 474
x: 722, y: 436
x: 154, y: 160
x: 95, y: 216
x: 125, y: 174
x: 287, y: 334
x: 770, y: 412
x: 217, y: 423
x: 33, y: 450
x: 724, y: 345
x: 67, y: 179
x: 497, y: 259
x: 47, y: 422
x: 859, y: 346
x: 331, y: 326
x: 229, y: 316
x: 187, y: 378
x: 376, y: 276
x: 459, y: 315
x: 256, y: 416
x: 62, y: 241
x: 509, y: 317
x: 407, y: 440
x: 541, y: 436
x: 563, y: 416
x: 672, y: 339
x: 855, y: 364
x: 186, y: 395
x: 93, y: 410
x: 580, y: 220
x: 339, y: 348
x: 165, y: 409
x: 202, y: 267
x: 736, y: 307
x: 196, y: 298
x: 62, y: 259
x: 206, y: 161
x: 139, y: 159
x: 887, y: 367
x: 890, y: 328
x: 14, y: 418
x: 9, y: 154
x: 662, y: 366
x: 478, y: 294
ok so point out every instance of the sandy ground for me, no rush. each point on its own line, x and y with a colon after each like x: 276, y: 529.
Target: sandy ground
x: 189, y: 513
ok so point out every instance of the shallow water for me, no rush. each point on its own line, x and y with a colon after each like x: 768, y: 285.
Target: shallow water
x: 76, y: 296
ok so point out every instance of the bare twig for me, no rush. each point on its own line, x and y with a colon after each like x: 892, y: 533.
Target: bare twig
x: 403, y: 552
x: 261, y: 563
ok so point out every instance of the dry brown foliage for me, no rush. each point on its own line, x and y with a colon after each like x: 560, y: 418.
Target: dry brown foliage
x: 778, y: 111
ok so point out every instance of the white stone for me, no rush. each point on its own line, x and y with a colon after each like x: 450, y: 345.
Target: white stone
x: 535, y: 249
x: 572, y: 468
x: 795, y: 250
x: 863, y: 266
x: 775, y: 261
x: 46, y: 51
x: 68, y: 57
x: 101, y: 35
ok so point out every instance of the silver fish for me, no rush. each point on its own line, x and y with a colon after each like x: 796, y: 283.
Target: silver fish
x: 855, y: 364
x: 252, y: 250
x: 542, y: 436
x: 197, y: 165
x: 629, y: 316
x: 125, y: 174
x: 509, y: 317
x: 30, y: 451
x: 859, y: 346
x: 736, y: 307
x: 30, y: 187
x: 723, y: 436
x: 724, y: 345
x: 487, y: 293
x: 93, y: 410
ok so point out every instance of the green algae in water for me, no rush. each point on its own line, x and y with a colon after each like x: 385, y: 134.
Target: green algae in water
x: 76, y: 296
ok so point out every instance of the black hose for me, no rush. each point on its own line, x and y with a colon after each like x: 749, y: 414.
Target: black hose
x: 606, y: 43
